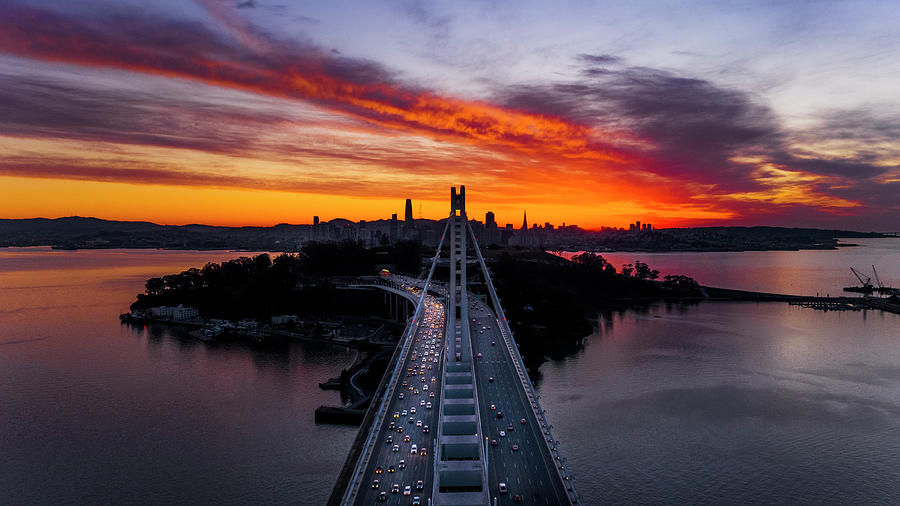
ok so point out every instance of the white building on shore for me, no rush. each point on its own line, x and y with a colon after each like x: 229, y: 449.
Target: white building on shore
x: 178, y: 312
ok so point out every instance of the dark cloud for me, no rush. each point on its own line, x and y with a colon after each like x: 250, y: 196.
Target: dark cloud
x: 243, y: 58
x: 41, y: 108
x: 685, y: 129
x: 692, y: 130
x: 693, y: 126
x: 247, y: 4
x: 869, y: 132
x: 78, y: 170
x: 37, y: 107
x: 600, y: 59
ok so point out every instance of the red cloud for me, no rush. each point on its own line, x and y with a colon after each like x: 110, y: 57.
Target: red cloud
x: 361, y: 89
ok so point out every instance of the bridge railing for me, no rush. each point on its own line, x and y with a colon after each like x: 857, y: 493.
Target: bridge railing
x: 552, y: 444
x: 354, y: 483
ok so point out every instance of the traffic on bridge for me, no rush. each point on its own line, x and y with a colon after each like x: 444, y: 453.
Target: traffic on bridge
x: 459, y: 422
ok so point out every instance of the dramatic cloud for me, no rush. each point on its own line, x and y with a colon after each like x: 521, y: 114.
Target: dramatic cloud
x: 692, y: 130
x: 600, y: 59
x: 292, y: 114
x: 362, y: 89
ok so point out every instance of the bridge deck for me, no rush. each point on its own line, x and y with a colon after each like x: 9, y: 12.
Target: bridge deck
x: 529, y: 471
x: 462, y: 360
x: 417, y: 376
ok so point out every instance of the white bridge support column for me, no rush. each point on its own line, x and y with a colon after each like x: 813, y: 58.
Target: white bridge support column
x: 460, y: 472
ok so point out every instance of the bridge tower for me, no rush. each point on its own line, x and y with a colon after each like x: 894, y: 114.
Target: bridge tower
x: 460, y: 470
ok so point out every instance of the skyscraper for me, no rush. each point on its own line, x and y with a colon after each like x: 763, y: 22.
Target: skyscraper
x: 491, y: 234
x: 393, y: 229
x: 524, y: 221
x: 409, y: 216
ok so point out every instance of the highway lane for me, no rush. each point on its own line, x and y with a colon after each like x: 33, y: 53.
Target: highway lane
x: 423, y: 362
x: 528, y: 471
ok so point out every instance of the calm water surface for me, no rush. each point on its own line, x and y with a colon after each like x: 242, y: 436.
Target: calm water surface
x: 732, y: 403
x: 792, y: 272
x: 721, y: 403
x: 97, y: 412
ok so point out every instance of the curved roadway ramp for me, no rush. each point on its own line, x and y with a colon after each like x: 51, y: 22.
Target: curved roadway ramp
x: 459, y: 422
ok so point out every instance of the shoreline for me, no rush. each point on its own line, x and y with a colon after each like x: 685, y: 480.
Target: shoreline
x: 200, y: 324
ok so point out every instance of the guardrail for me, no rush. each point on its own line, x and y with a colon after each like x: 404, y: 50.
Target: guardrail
x: 408, y: 338
x: 506, y: 332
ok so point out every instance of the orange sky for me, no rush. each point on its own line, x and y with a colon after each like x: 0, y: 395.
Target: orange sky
x: 222, y: 124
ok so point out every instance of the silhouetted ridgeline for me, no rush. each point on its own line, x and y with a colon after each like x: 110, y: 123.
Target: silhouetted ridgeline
x: 715, y: 239
x: 76, y: 232
x: 261, y: 287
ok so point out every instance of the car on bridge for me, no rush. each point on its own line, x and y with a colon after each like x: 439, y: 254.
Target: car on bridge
x: 501, y: 487
x: 376, y: 484
x: 407, y: 490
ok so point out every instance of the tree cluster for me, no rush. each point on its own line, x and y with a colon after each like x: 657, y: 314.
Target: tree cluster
x: 640, y: 270
x: 260, y: 287
x: 549, y: 302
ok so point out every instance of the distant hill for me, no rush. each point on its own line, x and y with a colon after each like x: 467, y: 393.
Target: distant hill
x: 77, y: 232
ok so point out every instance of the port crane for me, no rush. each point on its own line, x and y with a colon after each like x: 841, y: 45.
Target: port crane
x: 866, y: 286
x: 884, y: 290
x: 877, y: 281
x: 864, y: 280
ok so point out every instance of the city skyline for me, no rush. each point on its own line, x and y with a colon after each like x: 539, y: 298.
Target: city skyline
x: 255, y: 113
